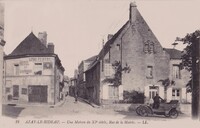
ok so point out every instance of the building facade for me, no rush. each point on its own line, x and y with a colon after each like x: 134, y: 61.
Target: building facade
x: 33, y: 72
x: 66, y: 85
x: 142, y: 61
x: 81, y: 80
x: 177, y: 90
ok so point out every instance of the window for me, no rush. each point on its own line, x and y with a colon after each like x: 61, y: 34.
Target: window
x: 146, y: 45
x: 7, y: 90
x: 108, y: 69
x: 149, y: 72
x: 113, y: 92
x: 175, y: 92
x: 24, y: 91
x: 178, y: 92
x: 149, y: 47
x: 176, y: 72
x: 16, y: 69
x: 38, y: 69
x: 119, y: 47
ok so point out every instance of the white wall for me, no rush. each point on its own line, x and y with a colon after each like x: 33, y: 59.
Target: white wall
x: 23, y: 80
x: 161, y: 91
x: 121, y: 92
x: 105, y: 94
x: 26, y: 65
x: 169, y: 94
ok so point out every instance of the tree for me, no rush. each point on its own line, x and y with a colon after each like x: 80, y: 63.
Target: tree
x: 190, y: 61
x: 117, y: 79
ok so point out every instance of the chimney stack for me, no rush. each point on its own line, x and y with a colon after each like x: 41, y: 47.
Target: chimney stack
x: 132, y: 14
x: 109, y: 36
x: 50, y: 47
x: 42, y: 36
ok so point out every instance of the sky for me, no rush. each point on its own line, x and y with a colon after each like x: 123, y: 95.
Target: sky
x: 78, y: 27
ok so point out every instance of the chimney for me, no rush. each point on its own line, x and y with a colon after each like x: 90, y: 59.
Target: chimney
x: 42, y: 36
x: 133, y: 10
x: 109, y: 36
x: 50, y: 47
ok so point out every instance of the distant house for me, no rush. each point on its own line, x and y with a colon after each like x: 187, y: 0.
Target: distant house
x: 33, y: 72
x: 135, y: 51
x: 72, y: 86
x: 66, y: 85
x: 180, y: 77
x: 81, y: 80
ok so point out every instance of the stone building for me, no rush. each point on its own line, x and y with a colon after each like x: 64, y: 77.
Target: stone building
x: 179, y: 78
x: 81, y: 81
x: 134, y: 50
x: 33, y: 72
x: 66, y: 85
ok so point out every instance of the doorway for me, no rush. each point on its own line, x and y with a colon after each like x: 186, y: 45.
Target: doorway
x: 37, y: 93
x: 15, y: 92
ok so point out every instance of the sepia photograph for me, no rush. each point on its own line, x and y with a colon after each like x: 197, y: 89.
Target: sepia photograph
x: 99, y: 63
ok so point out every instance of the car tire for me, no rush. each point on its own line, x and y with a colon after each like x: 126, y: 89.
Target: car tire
x: 173, y: 113
x: 138, y: 110
x: 144, y: 111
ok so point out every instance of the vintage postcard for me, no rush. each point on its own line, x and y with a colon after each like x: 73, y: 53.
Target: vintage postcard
x: 99, y: 63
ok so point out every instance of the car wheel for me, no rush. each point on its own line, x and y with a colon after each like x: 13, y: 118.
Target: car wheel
x: 138, y: 109
x: 144, y: 111
x: 173, y: 113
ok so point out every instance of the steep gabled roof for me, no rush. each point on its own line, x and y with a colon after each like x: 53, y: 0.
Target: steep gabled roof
x: 31, y: 45
x: 91, y: 58
x: 136, y: 23
x: 174, y: 53
x: 107, y: 46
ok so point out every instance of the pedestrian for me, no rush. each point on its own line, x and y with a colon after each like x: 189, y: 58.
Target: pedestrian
x: 75, y: 95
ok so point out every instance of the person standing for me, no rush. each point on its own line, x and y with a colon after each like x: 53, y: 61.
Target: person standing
x: 156, y: 101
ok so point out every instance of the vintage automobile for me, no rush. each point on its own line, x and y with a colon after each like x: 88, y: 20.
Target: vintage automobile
x: 170, y: 109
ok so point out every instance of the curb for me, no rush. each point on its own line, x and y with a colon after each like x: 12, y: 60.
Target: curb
x: 86, y: 101
x: 59, y: 104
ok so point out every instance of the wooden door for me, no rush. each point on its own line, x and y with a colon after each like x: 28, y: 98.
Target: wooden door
x: 15, y: 91
x: 37, y: 93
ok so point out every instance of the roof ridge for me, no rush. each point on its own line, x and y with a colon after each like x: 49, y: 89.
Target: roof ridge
x: 30, y: 45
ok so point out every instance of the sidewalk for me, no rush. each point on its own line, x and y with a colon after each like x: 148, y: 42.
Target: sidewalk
x: 25, y: 104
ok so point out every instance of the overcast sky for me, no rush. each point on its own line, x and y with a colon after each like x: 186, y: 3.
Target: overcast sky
x: 77, y: 27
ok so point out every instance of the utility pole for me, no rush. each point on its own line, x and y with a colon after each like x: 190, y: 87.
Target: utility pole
x: 195, y: 79
x: 198, y: 49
